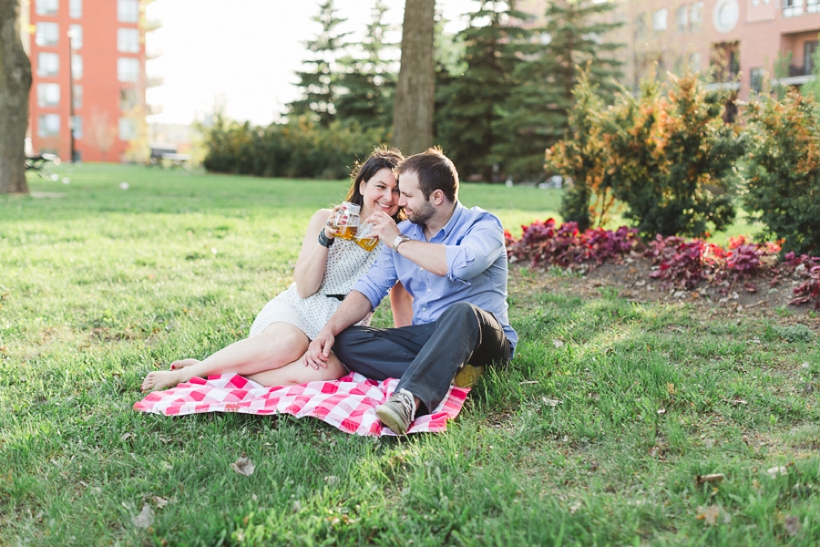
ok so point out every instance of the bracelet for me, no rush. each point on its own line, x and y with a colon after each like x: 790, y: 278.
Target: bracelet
x: 325, y: 241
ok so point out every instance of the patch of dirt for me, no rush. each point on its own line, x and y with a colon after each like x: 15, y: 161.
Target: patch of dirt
x: 631, y: 280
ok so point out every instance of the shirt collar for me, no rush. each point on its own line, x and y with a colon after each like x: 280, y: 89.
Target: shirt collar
x: 452, y: 223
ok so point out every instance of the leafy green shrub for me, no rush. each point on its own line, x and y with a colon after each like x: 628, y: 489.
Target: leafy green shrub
x: 783, y: 170
x: 667, y: 155
x: 582, y: 157
x: 672, y: 158
x: 298, y: 149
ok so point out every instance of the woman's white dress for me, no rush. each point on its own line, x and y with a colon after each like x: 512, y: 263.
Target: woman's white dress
x: 346, y: 263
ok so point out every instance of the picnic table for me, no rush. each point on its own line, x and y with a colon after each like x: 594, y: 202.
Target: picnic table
x: 38, y: 163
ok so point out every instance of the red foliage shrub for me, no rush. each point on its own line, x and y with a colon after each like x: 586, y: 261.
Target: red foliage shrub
x: 677, y: 263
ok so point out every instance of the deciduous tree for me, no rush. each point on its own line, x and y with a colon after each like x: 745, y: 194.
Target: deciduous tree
x: 15, y: 83
x: 415, y: 91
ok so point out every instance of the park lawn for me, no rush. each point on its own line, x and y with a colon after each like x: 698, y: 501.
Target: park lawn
x: 594, y: 436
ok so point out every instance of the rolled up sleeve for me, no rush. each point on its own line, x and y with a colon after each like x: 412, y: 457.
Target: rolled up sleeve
x: 479, y: 249
x: 379, y: 278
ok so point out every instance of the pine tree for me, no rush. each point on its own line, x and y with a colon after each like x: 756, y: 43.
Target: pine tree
x: 369, y: 80
x: 535, y: 113
x: 469, y: 103
x: 319, y: 85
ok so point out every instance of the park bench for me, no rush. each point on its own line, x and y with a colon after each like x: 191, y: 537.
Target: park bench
x: 38, y: 164
x: 166, y: 156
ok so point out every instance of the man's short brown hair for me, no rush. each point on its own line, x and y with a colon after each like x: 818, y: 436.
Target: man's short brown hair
x: 435, y: 172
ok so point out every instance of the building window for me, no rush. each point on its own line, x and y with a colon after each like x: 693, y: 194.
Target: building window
x: 128, y: 11
x: 128, y: 99
x: 47, y: 7
x: 682, y: 18
x: 77, y: 126
x: 809, y: 50
x: 76, y: 34
x: 48, y: 34
x: 640, y: 26
x: 78, y: 96
x: 128, y: 40
x: 128, y: 70
x: 75, y: 8
x: 695, y: 16
x: 726, y: 15
x: 48, y: 95
x: 48, y: 125
x: 128, y: 129
x: 725, y: 61
x: 756, y: 76
x: 659, y: 20
x: 77, y: 66
x: 48, y: 64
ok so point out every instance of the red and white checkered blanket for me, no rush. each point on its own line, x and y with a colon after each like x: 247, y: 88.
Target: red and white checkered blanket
x: 348, y: 403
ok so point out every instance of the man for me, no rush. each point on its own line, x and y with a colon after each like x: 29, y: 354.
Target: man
x: 453, y: 262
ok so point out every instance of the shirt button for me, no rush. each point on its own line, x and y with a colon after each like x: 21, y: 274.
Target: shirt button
x: 429, y: 290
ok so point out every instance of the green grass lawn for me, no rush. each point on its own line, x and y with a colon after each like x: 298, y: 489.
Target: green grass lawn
x: 596, y: 442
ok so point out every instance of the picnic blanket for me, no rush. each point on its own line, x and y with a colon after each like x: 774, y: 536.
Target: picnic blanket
x: 348, y: 403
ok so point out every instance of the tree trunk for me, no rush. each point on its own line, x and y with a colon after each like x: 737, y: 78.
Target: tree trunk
x: 15, y: 83
x: 415, y: 90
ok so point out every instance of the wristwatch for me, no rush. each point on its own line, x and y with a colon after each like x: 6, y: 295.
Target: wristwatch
x: 401, y: 238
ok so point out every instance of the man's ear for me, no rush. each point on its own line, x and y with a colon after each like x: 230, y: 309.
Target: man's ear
x: 438, y: 197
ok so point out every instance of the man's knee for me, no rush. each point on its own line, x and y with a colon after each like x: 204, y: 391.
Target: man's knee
x: 458, y: 312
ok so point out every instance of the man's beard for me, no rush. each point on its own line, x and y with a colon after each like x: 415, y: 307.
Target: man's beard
x: 421, y: 215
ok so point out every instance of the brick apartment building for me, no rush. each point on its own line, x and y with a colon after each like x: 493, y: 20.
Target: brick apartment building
x: 742, y: 41
x: 88, y: 64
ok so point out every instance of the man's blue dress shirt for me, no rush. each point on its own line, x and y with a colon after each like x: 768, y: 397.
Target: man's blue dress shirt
x: 476, y: 269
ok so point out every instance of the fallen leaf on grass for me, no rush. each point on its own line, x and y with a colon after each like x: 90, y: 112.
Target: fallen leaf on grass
x: 574, y: 507
x: 736, y: 401
x: 145, y: 518
x: 792, y: 525
x: 127, y: 436
x: 552, y: 402
x: 528, y: 382
x: 715, y: 477
x: 661, y: 411
x: 710, y: 515
x: 243, y: 466
x: 161, y: 502
x: 557, y: 343
x: 775, y: 472
x: 332, y: 479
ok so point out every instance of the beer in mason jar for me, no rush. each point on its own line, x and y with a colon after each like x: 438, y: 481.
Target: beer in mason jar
x: 346, y: 221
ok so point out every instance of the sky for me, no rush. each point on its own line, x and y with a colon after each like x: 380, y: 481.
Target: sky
x: 243, y: 53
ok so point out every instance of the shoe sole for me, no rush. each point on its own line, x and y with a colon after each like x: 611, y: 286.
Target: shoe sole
x: 391, y: 420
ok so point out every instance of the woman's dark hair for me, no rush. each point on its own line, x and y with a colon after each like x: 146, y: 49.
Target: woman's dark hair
x: 380, y: 158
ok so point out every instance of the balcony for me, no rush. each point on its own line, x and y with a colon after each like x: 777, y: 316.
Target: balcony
x: 798, y: 75
x: 796, y: 8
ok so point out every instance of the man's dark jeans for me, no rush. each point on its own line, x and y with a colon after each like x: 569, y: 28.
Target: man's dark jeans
x: 426, y: 357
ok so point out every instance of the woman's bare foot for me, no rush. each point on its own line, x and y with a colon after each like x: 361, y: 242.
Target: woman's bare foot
x: 161, y: 379
x: 182, y: 363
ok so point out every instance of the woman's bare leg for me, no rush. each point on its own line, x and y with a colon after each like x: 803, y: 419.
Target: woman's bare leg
x: 276, y: 346
x: 297, y: 373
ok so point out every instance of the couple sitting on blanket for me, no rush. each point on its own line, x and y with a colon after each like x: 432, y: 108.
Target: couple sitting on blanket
x: 452, y: 262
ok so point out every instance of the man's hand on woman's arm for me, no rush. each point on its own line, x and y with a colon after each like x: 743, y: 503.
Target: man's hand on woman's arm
x: 354, y: 308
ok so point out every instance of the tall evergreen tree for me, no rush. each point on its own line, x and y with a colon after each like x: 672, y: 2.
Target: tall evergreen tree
x: 319, y: 84
x: 369, y: 78
x: 535, y: 114
x: 469, y: 103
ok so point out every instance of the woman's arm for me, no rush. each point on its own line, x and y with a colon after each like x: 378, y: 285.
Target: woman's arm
x: 310, y: 267
x: 402, y: 305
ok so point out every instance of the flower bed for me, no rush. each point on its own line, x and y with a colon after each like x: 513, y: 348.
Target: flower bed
x: 677, y: 263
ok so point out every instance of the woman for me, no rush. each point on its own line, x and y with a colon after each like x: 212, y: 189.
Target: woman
x: 326, y: 270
